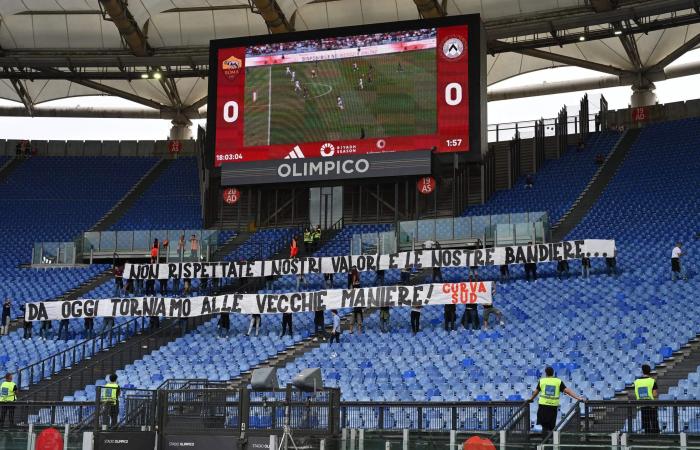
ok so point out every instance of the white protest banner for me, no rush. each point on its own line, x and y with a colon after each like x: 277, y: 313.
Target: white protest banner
x: 515, y: 254
x: 478, y: 292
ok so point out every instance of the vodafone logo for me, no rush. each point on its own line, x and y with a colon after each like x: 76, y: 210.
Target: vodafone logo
x: 381, y: 143
x: 327, y: 150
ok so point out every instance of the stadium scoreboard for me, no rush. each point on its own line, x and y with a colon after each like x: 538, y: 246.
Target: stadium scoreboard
x: 356, y: 102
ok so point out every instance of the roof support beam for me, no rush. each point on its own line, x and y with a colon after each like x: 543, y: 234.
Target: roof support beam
x: 429, y: 9
x: 194, y: 107
x: 568, y: 60
x: 24, y: 96
x: 127, y: 26
x: 677, y: 53
x: 630, y: 46
x: 274, y: 17
x: 112, y: 91
x: 603, y: 5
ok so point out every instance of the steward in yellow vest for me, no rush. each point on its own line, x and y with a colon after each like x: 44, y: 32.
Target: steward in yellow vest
x: 8, y: 395
x: 645, y: 389
x: 109, y: 399
x: 549, y: 389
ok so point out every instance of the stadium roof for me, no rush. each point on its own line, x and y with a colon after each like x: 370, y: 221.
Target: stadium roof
x: 51, y: 49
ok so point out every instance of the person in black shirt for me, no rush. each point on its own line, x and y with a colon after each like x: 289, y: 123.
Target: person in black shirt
x: 650, y: 415
x: 562, y: 268
x: 286, y: 324
x: 611, y: 263
x: 224, y: 325
x: 320, y: 324
x: 505, y: 272
x: 470, y: 317
x: 450, y: 316
x: 586, y: 265
x: 6, y: 316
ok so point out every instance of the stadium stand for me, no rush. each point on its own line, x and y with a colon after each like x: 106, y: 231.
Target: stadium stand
x: 43, y: 202
x: 172, y: 201
x: 596, y: 332
x: 556, y: 186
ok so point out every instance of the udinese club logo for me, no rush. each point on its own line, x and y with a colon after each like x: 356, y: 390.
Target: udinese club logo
x: 453, y: 48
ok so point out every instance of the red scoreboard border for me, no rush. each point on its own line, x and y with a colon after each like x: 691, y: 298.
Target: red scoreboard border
x: 457, y: 124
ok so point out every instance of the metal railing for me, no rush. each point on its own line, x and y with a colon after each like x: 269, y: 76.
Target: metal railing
x: 471, y: 416
x: 132, y: 349
x: 640, y: 417
x: 499, y: 132
x: 137, y: 410
x: 22, y: 414
x: 38, y: 371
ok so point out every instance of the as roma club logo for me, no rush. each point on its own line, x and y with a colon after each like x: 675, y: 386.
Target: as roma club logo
x: 231, y: 67
x: 453, y: 48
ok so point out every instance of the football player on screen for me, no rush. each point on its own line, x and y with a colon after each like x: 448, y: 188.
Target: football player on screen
x: 341, y: 106
x: 362, y: 84
x: 288, y: 71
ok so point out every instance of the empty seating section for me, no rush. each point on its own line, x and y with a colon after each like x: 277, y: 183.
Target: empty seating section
x: 263, y: 244
x: 51, y: 199
x: 595, y: 332
x: 652, y: 204
x: 171, y: 202
x: 556, y: 185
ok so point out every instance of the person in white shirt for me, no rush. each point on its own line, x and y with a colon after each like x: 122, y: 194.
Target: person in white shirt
x: 676, y: 266
x: 362, y: 85
x: 335, y: 332
x: 289, y: 71
x: 297, y: 86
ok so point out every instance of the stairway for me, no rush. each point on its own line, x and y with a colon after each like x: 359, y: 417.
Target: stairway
x: 123, y: 205
x: 88, y: 371
x: 9, y: 167
x: 595, y: 187
x: 230, y: 245
x: 682, y: 363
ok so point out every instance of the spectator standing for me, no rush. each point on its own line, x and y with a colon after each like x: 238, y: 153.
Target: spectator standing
x: 176, y: 285
x: 415, y: 319
x: 354, y: 278
x: 328, y: 277
x: 405, y: 276
x: 301, y: 281
x: 194, y: 247
x: 335, y: 332
x: 63, y: 327
x: 28, y: 326
x: 45, y: 329
x: 611, y: 264
x: 437, y: 275
x: 529, y: 181
x: 181, y: 248
x: 562, y: 268
x: 293, y: 248
x: 107, y: 324
x: 320, y: 324
x: 8, y: 395
x: 255, y: 324
x: 530, y: 271
x: 155, y: 252
x: 380, y: 277
x: 489, y: 310
x: 384, y: 314
x: 163, y: 286
x: 286, y: 324
x: 269, y: 282
x: 6, y: 316
x: 224, y: 325
x: 357, y: 319
x: 89, y: 327
x: 473, y: 273
x: 118, y: 271
x: 470, y: 317
x: 676, y: 265
x: 549, y: 389
x: 586, y: 265
x: 450, y: 316
x: 505, y: 273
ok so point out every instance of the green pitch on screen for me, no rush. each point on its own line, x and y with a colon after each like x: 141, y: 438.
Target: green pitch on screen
x: 398, y: 101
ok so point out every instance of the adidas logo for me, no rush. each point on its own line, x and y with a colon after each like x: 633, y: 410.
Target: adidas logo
x: 295, y: 153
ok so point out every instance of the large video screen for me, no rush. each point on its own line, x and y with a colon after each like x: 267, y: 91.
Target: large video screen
x: 323, y: 96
